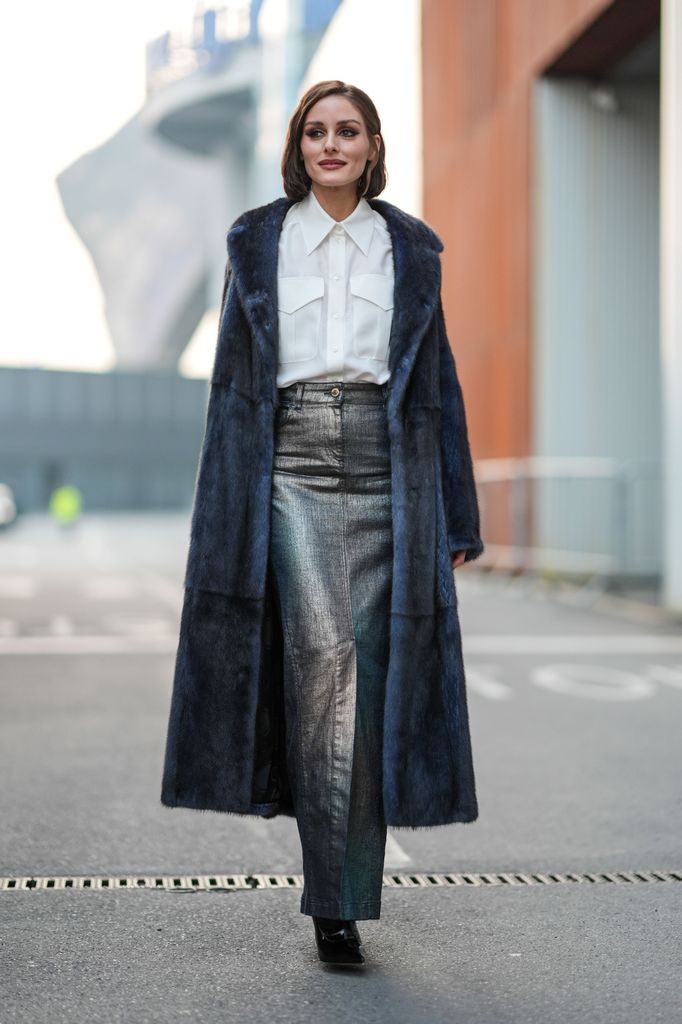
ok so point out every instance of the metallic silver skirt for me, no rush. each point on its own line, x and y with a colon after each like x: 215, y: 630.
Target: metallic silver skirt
x: 332, y: 557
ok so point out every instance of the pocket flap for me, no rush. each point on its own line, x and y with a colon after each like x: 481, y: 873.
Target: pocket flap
x: 294, y: 292
x: 376, y: 287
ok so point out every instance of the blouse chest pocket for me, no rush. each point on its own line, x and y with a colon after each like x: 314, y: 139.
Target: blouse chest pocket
x: 299, y: 307
x: 372, y: 300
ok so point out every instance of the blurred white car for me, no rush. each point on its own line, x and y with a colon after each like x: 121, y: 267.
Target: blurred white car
x: 8, y: 507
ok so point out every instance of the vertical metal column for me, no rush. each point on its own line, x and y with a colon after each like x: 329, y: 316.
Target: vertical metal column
x: 671, y: 298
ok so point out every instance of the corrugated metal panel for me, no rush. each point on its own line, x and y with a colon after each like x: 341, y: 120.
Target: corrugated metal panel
x: 126, y: 439
x: 596, y: 380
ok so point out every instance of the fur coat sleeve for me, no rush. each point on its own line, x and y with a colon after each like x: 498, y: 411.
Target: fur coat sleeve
x: 459, y: 489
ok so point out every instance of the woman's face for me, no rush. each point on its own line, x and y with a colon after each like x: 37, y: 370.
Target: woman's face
x: 334, y: 130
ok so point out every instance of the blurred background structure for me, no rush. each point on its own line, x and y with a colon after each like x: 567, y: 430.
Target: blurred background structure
x: 552, y: 148
x: 204, y: 147
x: 539, y: 140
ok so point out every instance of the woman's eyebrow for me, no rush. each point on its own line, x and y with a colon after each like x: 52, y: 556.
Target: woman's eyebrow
x: 345, y: 120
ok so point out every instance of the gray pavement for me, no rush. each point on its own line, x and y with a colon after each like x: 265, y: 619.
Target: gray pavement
x: 494, y: 956
x: 575, y: 722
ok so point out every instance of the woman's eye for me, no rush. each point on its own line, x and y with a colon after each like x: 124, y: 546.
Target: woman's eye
x: 313, y: 131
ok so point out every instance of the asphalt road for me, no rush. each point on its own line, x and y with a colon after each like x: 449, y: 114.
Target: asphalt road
x: 575, y: 722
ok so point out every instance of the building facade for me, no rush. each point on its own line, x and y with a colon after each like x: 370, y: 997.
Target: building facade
x: 550, y: 150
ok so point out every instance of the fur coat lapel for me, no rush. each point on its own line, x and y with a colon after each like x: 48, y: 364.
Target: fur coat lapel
x: 252, y: 244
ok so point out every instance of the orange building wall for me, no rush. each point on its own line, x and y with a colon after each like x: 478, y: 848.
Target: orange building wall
x: 479, y: 60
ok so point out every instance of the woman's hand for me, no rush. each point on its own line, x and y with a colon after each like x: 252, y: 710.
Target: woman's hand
x: 458, y: 558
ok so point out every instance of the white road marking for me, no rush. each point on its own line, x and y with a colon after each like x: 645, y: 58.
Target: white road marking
x: 395, y: 856
x: 25, y: 556
x: 136, y: 625
x: 480, y: 680
x: 165, y: 590
x: 666, y: 675
x: 61, y: 625
x: 21, y: 587
x: 571, y: 643
x: 96, y: 545
x: 53, y: 645
x: 594, y: 682
x: 110, y: 588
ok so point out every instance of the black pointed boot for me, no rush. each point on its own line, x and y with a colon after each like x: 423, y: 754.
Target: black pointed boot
x: 338, y: 941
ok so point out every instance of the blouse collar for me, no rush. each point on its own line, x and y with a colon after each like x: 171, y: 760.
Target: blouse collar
x: 316, y: 223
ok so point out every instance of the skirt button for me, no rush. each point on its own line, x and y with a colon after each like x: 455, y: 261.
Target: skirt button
x: 335, y: 392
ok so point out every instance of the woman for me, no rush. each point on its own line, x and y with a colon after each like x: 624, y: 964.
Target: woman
x: 319, y: 668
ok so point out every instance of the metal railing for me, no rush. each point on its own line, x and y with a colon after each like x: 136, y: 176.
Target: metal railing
x: 572, y: 515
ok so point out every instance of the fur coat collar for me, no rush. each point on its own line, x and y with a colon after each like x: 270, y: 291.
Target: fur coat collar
x: 252, y: 248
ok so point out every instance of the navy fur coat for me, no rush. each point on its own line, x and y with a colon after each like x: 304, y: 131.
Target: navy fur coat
x: 225, y: 742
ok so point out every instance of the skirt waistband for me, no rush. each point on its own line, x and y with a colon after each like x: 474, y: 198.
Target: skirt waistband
x: 330, y: 392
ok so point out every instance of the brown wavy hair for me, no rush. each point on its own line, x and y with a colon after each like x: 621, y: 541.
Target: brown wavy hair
x: 296, y: 180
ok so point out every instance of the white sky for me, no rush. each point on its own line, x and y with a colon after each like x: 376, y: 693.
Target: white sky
x: 72, y: 72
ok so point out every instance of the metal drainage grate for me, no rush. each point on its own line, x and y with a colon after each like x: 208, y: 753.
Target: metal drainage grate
x: 229, y: 883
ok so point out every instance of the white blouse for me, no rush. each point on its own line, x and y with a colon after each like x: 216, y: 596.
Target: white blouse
x: 335, y: 294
